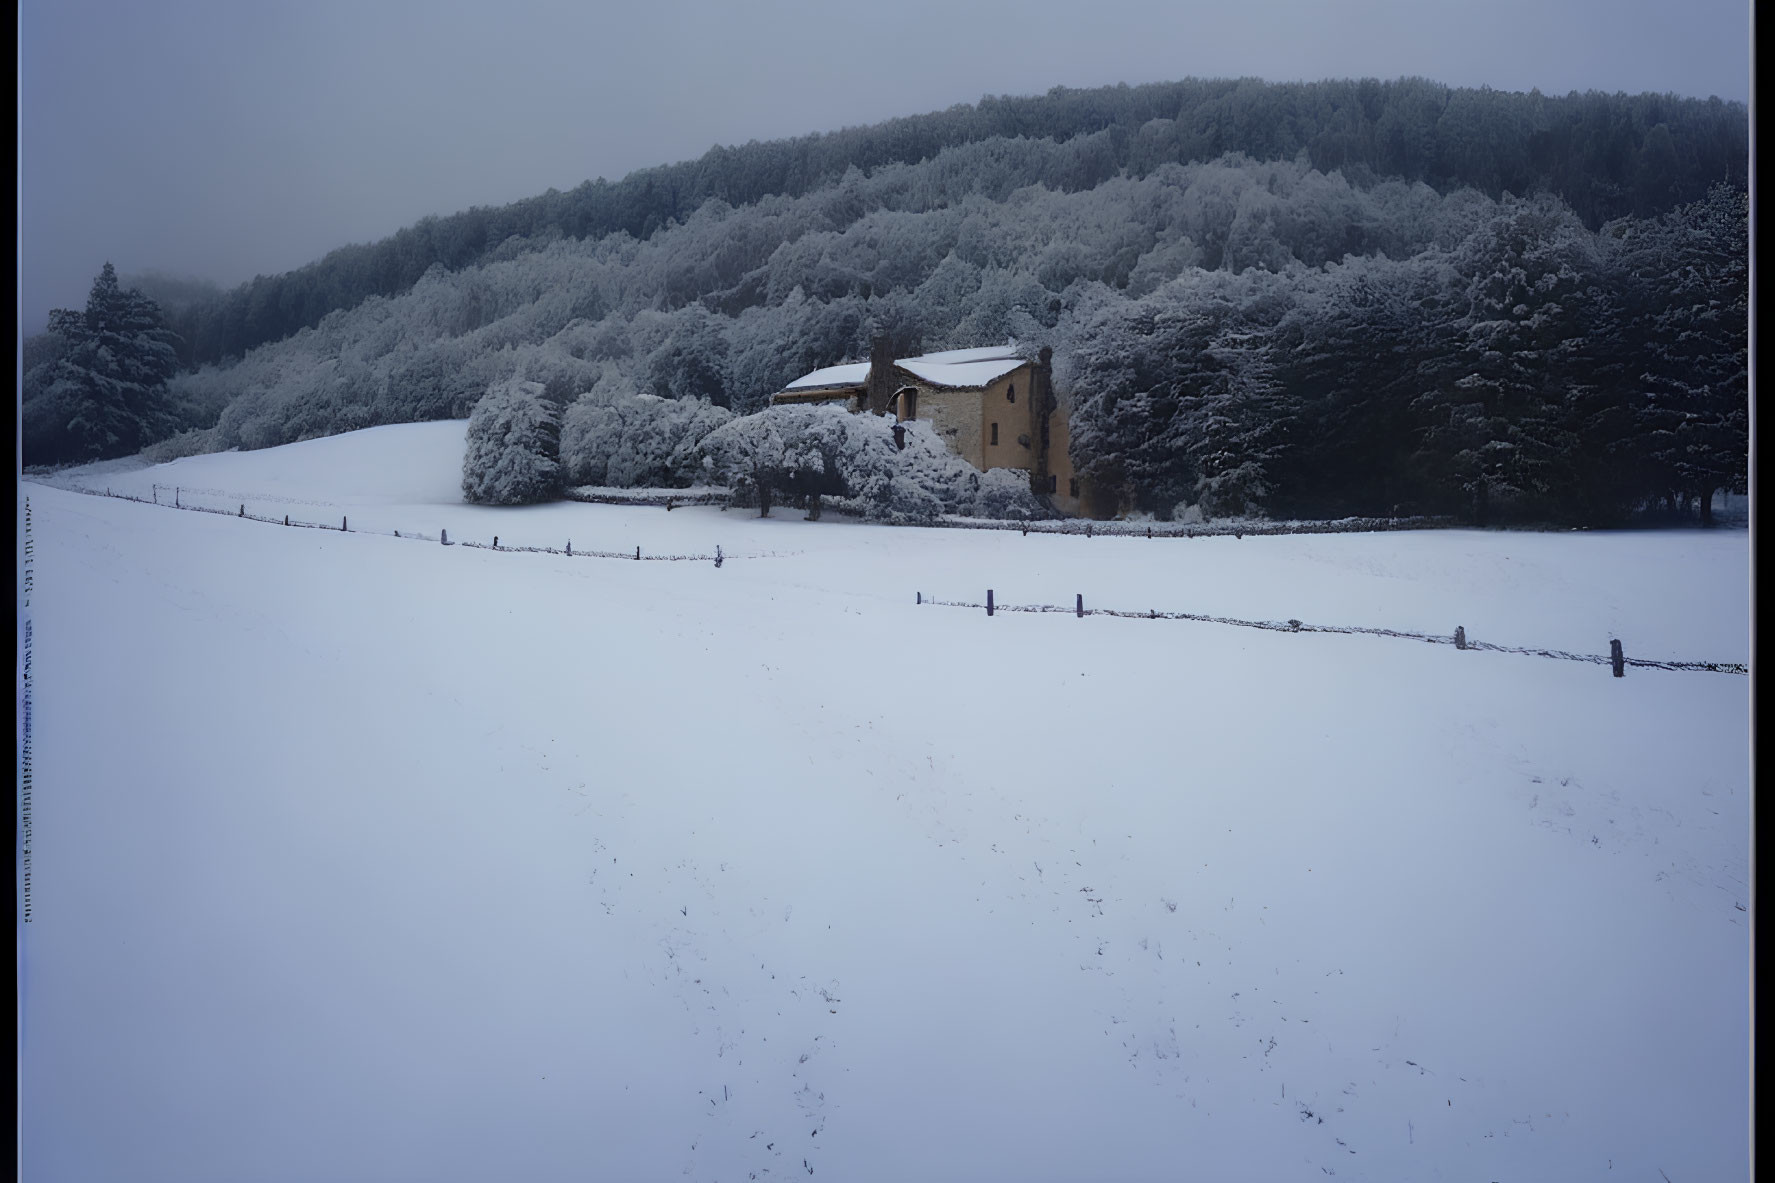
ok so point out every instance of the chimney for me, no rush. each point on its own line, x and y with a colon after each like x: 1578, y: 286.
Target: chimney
x: 879, y: 389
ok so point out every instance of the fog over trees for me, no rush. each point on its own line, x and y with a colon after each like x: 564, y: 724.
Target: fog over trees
x: 1303, y: 300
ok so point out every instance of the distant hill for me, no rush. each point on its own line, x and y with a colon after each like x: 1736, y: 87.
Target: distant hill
x: 1604, y: 155
x: 1330, y: 299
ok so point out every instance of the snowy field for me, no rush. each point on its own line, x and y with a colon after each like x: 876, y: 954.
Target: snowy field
x: 359, y: 858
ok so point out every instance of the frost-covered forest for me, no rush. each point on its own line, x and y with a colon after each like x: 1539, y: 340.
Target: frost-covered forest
x: 1306, y: 300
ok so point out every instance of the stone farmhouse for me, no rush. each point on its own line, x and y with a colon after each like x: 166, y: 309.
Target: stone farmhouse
x: 992, y: 407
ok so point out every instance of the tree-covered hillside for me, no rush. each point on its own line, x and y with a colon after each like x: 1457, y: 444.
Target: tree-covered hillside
x: 1393, y: 297
x: 1606, y: 156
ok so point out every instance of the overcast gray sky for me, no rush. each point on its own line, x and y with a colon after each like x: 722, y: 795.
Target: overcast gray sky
x: 228, y: 138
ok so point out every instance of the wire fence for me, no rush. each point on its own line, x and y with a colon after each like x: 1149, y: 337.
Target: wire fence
x: 1085, y: 527
x: 718, y: 557
x: 1091, y: 528
x: 1616, y: 659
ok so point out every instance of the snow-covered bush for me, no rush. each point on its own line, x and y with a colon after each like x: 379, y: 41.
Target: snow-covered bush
x: 1235, y: 492
x: 781, y: 453
x: 1004, y: 493
x: 793, y: 453
x: 1186, y: 514
x: 636, y: 440
x: 514, y: 438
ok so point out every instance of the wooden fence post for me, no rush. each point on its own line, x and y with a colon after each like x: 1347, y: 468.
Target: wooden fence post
x: 1460, y: 637
x: 243, y: 509
x: 1081, y: 606
x: 444, y: 537
x: 1617, y: 659
x: 176, y: 504
x: 717, y: 554
x: 341, y: 523
x: 637, y: 554
x: 496, y: 542
x: 156, y: 490
x: 989, y: 601
x: 286, y: 519
x: 570, y: 548
x: 920, y: 599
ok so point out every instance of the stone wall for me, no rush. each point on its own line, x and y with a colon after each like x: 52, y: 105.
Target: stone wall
x: 955, y: 416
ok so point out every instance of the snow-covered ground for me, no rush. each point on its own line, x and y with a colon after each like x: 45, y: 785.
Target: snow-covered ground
x: 372, y: 859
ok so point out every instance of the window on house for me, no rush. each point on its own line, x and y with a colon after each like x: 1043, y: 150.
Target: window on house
x: 994, y: 438
x: 1053, y: 483
x: 1011, y: 393
x: 1075, y: 486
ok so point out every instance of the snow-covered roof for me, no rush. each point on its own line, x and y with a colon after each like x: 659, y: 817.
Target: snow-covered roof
x: 967, y: 373
x: 952, y: 356
x: 951, y: 367
x: 850, y: 374
x: 815, y: 394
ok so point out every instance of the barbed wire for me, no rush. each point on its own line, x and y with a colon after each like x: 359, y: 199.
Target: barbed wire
x: 1297, y: 626
x: 718, y: 557
x: 1078, y: 609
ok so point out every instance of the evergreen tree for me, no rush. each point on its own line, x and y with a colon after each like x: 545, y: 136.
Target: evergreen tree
x: 106, y: 392
x: 1687, y: 282
x: 1177, y: 398
x: 1497, y: 423
x: 1353, y: 348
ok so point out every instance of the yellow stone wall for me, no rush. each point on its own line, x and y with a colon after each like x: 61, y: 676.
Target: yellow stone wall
x: 955, y: 416
x: 1060, y: 464
x: 963, y: 419
x: 1017, y: 438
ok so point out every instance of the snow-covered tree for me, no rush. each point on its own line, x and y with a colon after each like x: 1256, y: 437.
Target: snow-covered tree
x: 1497, y: 421
x: 636, y: 440
x: 105, y: 394
x: 1176, y: 398
x: 692, y: 361
x: 429, y: 383
x: 781, y: 454
x: 1686, y: 286
x: 513, y: 451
